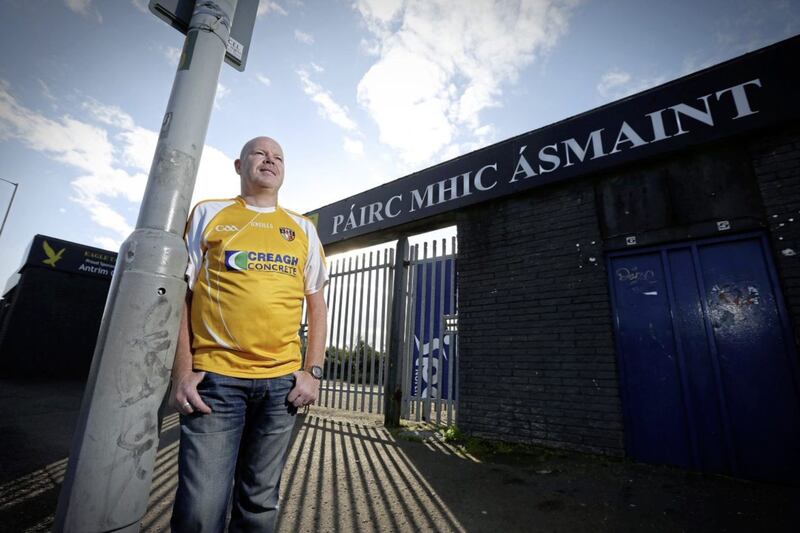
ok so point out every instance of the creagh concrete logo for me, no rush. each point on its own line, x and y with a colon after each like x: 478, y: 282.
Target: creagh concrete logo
x: 235, y: 260
x: 242, y: 260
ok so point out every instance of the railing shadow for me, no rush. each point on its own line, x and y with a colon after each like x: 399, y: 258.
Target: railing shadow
x: 350, y: 475
x: 344, y: 476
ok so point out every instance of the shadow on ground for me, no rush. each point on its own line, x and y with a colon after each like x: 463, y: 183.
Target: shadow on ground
x: 346, y: 473
x: 349, y: 474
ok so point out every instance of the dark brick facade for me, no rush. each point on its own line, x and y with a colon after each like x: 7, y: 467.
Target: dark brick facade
x: 776, y: 161
x: 536, y: 345
x: 51, y: 325
x: 538, y: 359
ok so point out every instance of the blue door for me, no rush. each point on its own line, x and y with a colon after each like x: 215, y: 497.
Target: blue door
x: 708, y: 367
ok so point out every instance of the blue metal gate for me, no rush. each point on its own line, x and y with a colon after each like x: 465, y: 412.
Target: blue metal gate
x: 431, y: 349
x: 431, y: 354
x: 708, y: 367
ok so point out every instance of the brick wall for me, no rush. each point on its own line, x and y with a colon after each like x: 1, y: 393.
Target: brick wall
x: 538, y: 360
x: 776, y: 162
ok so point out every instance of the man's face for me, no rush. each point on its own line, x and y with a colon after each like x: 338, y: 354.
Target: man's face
x: 261, y: 166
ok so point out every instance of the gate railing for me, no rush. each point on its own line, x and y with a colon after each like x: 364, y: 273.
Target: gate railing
x: 359, y: 296
x: 430, y: 388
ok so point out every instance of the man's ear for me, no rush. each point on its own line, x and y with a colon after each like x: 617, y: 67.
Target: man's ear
x: 237, y: 165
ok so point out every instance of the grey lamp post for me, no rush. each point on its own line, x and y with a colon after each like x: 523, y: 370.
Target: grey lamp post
x: 11, y: 201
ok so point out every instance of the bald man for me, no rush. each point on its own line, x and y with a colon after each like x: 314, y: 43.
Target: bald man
x: 238, y: 376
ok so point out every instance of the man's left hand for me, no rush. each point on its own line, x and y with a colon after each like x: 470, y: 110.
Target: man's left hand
x: 305, y: 391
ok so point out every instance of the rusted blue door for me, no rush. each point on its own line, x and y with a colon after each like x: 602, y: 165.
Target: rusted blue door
x: 708, y: 366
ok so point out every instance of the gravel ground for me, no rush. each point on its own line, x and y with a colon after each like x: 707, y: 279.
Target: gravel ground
x: 346, y: 473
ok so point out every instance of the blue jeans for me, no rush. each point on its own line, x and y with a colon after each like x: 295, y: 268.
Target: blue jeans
x: 238, y: 451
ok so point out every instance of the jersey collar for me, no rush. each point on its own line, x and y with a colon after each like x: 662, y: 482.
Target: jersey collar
x: 255, y: 208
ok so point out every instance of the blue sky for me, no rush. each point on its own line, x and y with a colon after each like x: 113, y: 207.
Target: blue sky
x: 358, y: 92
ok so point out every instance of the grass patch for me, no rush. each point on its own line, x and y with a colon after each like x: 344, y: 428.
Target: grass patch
x: 478, y: 447
x: 497, y: 451
x: 452, y: 435
x: 488, y: 448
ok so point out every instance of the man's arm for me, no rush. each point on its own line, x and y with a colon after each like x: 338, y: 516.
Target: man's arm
x: 183, y: 396
x: 306, y: 389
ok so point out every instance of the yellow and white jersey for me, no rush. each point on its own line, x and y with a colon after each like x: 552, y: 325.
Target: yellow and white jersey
x: 249, y: 269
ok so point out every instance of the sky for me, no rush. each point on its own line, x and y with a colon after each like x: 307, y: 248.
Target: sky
x: 358, y: 92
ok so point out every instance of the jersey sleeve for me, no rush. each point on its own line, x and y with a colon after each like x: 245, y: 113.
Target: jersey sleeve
x: 316, y: 271
x: 202, y: 215
x: 194, y: 238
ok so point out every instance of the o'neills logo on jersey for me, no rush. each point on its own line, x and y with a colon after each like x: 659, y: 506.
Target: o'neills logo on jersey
x: 261, y: 261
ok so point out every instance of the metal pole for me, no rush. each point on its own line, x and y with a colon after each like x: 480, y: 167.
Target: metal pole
x: 386, y: 271
x: 408, y: 350
x: 114, y: 445
x: 394, y: 394
x: 11, y: 201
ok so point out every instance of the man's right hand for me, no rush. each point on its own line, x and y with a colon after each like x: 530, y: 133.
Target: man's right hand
x: 183, y: 396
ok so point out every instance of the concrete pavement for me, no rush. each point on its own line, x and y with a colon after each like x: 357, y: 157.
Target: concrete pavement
x: 346, y: 473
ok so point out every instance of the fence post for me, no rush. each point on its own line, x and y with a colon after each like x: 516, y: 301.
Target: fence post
x: 394, y: 395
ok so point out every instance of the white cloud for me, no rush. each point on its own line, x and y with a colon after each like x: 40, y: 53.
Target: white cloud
x: 440, y: 65
x: 263, y: 79
x: 353, y: 146
x: 267, y: 6
x: 171, y: 54
x: 101, y: 213
x: 378, y: 14
x: 326, y: 105
x: 112, y: 183
x: 406, y: 95
x: 617, y: 83
x: 114, y: 162
x: 107, y: 243
x: 111, y: 115
x: 65, y: 139
x: 138, y: 148
x: 46, y: 92
x: 216, y: 177
x: 303, y: 37
x: 78, y: 6
x: 222, y: 93
x: 612, y: 80
x: 141, y: 5
x: 318, y: 69
x: 369, y: 48
x: 83, y: 7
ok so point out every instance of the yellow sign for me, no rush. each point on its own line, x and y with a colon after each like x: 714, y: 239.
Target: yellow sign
x: 52, y: 256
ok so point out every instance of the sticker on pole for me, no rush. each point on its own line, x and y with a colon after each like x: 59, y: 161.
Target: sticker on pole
x: 178, y: 14
x: 235, y: 48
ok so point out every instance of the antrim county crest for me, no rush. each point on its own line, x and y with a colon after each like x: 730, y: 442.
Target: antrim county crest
x: 287, y: 233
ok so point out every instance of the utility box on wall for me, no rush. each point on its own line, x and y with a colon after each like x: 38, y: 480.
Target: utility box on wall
x: 50, y: 319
